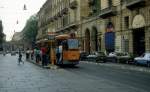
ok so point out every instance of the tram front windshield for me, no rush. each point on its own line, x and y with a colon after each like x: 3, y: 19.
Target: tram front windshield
x: 73, y: 43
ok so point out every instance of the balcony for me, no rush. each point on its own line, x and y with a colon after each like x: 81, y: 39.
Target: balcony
x: 64, y: 11
x: 50, y: 19
x: 59, y: 14
x: 68, y: 27
x: 108, y: 12
x: 55, y: 17
x: 73, y: 5
x: 132, y: 4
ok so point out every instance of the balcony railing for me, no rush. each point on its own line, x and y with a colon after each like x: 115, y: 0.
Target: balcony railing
x: 68, y: 27
x: 64, y: 11
x: 55, y: 17
x: 74, y: 4
x: 59, y: 14
x: 131, y: 4
x: 108, y: 12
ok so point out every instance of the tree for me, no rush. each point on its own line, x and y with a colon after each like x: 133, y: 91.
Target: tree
x: 30, y: 30
x: 1, y: 35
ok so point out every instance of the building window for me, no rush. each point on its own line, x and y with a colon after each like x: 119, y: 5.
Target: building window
x: 126, y: 44
x: 110, y: 3
x: 126, y: 22
x: 149, y: 43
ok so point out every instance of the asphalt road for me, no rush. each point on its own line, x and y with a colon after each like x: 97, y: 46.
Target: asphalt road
x: 83, y: 78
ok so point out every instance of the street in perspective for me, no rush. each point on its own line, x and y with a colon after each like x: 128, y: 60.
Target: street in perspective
x: 85, y: 77
x: 74, y: 46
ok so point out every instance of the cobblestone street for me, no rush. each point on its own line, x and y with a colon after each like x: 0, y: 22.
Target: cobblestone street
x: 84, y: 78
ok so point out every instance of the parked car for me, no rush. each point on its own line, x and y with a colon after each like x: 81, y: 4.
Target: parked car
x: 13, y: 53
x: 143, y: 59
x: 83, y: 55
x: 112, y: 57
x: 1, y: 52
x: 97, y: 56
x: 120, y: 57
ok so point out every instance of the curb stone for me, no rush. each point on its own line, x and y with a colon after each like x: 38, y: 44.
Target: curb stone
x: 121, y: 66
x: 53, y: 67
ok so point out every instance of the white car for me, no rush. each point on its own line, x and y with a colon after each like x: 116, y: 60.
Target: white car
x: 143, y: 59
x: 119, y: 57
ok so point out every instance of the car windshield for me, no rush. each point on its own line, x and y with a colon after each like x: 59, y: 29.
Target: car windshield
x: 142, y: 55
x: 147, y: 55
x: 121, y: 54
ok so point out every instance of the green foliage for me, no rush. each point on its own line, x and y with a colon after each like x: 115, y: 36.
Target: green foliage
x: 1, y: 32
x: 30, y: 29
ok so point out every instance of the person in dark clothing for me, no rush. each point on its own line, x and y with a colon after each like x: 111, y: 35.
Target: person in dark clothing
x: 48, y: 55
x: 20, y: 58
x: 57, y: 54
x: 27, y: 53
x: 43, y: 50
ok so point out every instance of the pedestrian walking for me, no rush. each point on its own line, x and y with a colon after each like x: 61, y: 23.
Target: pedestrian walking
x: 27, y: 53
x: 37, y: 55
x: 57, y: 54
x: 47, y: 55
x: 32, y: 54
x: 20, y: 58
x: 43, y: 50
x: 60, y: 52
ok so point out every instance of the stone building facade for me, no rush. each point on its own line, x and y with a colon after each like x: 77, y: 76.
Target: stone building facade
x: 131, y: 26
x: 100, y: 25
x: 59, y: 16
x: 118, y: 25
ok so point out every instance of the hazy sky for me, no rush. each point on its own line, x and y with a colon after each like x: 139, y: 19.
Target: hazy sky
x: 12, y: 11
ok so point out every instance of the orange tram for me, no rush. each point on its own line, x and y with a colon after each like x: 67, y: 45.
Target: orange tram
x: 67, y: 50
x: 64, y: 49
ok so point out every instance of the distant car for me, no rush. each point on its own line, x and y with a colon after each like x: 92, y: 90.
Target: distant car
x: 1, y: 52
x: 83, y: 56
x: 97, y: 56
x: 119, y: 57
x: 13, y: 53
x: 143, y: 59
x: 112, y: 57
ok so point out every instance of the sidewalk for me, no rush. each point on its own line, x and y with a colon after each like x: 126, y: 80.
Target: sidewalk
x: 122, y: 66
x: 50, y: 66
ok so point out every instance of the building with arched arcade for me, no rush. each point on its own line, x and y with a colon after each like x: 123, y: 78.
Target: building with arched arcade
x: 100, y: 25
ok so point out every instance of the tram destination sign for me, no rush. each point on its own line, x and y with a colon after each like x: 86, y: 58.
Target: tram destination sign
x: 51, y: 36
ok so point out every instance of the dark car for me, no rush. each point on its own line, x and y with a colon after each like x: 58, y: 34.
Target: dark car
x: 1, y: 52
x: 83, y: 56
x: 13, y: 53
x: 97, y: 56
x: 119, y: 57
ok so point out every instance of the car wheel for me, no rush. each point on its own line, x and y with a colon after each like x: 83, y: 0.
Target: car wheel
x: 148, y: 64
x: 135, y: 62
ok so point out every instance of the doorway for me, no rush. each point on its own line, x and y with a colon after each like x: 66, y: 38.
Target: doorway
x: 138, y: 41
x: 94, y: 39
x: 87, y: 41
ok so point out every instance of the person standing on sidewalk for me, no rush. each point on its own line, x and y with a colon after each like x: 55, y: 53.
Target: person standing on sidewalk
x: 20, y: 58
x: 43, y: 50
x: 27, y: 54
x: 37, y: 55
x: 47, y: 55
x: 32, y: 54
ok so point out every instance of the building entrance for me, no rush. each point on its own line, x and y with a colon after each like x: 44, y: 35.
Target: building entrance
x: 138, y: 41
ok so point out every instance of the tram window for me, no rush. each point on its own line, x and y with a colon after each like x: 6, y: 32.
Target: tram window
x: 73, y: 44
